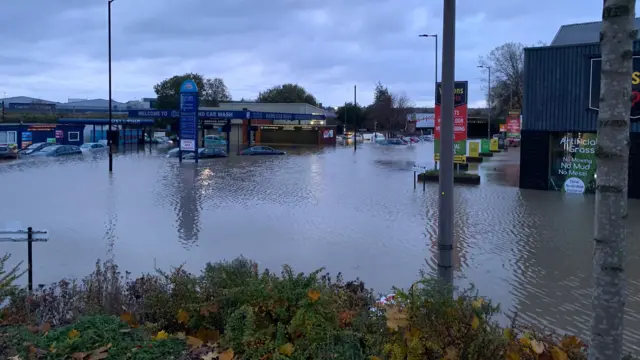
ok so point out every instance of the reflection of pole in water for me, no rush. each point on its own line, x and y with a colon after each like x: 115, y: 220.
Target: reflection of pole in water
x: 111, y: 221
x: 187, y: 208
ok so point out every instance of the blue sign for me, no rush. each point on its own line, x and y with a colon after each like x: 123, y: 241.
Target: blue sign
x: 27, y: 136
x: 226, y: 114
x: 189, y: 117
x: 82, y: 121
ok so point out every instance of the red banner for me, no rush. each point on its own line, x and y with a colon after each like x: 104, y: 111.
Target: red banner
x: 513, y: 126
x: 459, y: 122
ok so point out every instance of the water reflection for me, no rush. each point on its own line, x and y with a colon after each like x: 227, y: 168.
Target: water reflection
x: 357, y: 213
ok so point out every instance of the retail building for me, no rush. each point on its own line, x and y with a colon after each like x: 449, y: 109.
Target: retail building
x: 560, y: 111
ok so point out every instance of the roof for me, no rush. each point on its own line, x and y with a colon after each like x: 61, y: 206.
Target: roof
x: 583, y: 33
x: 93, y: 103
x: 25, y: 100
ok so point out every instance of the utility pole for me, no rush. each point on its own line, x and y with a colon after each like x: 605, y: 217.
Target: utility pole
x: 109, y: 135
x: 445, y: 213
x: 355, y: 121
x: 344, y: 131
x: 488, y: 100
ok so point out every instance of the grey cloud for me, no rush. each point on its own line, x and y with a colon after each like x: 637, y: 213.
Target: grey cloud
x: 326, y: 46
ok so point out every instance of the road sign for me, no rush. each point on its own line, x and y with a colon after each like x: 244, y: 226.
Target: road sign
x: 189, y: 117
x: 420, y: 169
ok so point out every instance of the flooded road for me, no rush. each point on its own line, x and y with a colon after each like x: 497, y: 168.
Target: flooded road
x: 357, y: 213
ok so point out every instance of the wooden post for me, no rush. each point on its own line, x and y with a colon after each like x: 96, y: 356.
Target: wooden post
x: 30, y: 257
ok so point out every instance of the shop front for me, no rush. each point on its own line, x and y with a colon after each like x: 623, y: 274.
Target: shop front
x: 23, y: 135
x: 559, y: 122
x: 295, y: 135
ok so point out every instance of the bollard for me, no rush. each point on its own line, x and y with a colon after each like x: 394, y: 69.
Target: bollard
x: 30, y: 256
x: 415, y: 180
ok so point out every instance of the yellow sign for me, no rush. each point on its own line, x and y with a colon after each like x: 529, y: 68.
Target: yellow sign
x: 493, y: 145
x: 457, y: 159
x: 474, y: 149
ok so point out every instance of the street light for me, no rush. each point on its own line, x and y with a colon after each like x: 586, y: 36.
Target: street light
x: 488, y: 100
x: 435, y: 79
x: 109, y: 137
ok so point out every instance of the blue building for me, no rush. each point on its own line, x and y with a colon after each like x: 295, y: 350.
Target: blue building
x: 24, y: 135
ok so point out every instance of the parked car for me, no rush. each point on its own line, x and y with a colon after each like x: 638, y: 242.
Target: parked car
x: 210, y: 153
x: 214, y: 141
x: 59, y: 150
x: 93, y: 147
x: 6, y: 152
x: 262, y: 150
x: 34, y: 148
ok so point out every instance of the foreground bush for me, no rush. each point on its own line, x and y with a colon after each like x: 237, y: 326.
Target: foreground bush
x: 233, y: 311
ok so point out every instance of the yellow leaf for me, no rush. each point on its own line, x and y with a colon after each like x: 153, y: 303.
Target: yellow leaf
x: 182, y: 317
x: 286, y: 349
x: 477, y: 303
x: 525, y: 341
x: 313, y: 295
x: 558, y: 354
x: 227, y: 355
x: 451, y: 354
x: 571, y: 342
x: 508, y: 334
x: 512, y: 355
x: 537, y: 346
x: 73, y: 334
x: 161, y: 335
x: 373, y: 357
x: 396, y: 318
x: 194, y: 342
x: 129, y: 319
x: 475, y: 322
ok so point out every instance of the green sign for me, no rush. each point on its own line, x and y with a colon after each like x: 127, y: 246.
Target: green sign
x: 485, y: 146
x: 573, y: 163
x: 459, y: 147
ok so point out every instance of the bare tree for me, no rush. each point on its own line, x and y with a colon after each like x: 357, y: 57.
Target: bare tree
x: 507, y: 76
x: 612, y: 159
x: 401, y: 106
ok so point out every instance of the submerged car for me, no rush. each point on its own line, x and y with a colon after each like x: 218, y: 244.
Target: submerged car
x: 91, y: 147
x: 34, y: 148
x: 210, y: 153
x: 262, y: 150
x: 59, y: 150
x: 6, y: 152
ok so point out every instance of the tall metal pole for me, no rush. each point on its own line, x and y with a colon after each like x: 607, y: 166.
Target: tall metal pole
x: 445, y: 214
x: 346, y: 138
x: 109, y: 137
x: 490, y: 106
x: 355, y: 121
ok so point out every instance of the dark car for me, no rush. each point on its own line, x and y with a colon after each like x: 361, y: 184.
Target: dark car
x: 210, y: 153
x: 262, y: 150
x: 34, y: 148
x: 6, y: 152
x: 59, y: 150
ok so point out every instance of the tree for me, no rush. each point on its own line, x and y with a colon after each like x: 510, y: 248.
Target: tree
x: 389, y: 110
x: 287, y: 93
x: 612, y: 159
x: 212, y: 91
x: 507, y: 77
x: 354, y: 115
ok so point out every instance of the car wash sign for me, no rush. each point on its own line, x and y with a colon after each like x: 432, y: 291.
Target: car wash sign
x: 594, y: 88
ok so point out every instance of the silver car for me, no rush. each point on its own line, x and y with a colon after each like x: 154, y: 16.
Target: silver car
x: 7, y: 152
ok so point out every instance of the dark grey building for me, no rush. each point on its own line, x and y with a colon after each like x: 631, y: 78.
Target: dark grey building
x: 560, y: 110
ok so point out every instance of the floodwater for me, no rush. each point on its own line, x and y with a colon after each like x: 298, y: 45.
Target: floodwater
x: 355, y: 213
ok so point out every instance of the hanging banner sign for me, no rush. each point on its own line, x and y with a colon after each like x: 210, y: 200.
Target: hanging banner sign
x: 460, y: 111
x: 594, y: 87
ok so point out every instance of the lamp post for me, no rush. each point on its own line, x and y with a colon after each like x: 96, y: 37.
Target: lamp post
x: 435, y: 79
x: 109, y: 137
x: 488, y: 100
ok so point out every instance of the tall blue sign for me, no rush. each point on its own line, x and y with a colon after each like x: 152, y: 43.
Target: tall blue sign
x: 188, y: 118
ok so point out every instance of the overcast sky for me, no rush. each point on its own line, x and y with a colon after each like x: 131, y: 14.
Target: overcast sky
x: 55, y: 50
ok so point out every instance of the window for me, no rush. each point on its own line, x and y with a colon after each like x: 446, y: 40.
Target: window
x: 74, y: 136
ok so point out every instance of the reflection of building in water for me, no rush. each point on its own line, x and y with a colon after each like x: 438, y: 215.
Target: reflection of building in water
x: 187, y: 206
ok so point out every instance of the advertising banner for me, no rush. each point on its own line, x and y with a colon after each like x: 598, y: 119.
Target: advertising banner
x: 494, y: 145
x: 485, y: 146
x: 594, y: 87
x: 474, y: 148
x: 503, y: 127
x: 513, y: 125
x: 459, y: 121
x: 573, y: 163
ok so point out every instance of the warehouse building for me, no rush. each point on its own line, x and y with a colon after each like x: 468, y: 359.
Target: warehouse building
x: 561, y: 96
